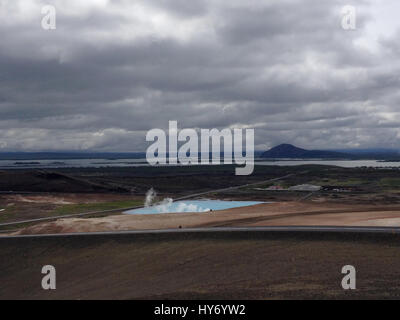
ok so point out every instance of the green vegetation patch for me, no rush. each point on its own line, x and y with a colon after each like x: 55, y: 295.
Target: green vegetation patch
x: 96, y: 206
x: 338, y: 182
x: 390, y: 182
x: 7, y: 214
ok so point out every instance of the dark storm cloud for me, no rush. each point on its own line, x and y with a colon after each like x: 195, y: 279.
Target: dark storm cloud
x: 114, y: 69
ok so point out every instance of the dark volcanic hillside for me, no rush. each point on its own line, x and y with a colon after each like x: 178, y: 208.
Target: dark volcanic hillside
x: 290, y: 151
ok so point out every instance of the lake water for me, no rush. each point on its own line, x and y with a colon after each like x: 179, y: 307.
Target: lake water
x: 104, y: 163
x: 339, y: 163
x: 192, y: 206
x: 71, y: 163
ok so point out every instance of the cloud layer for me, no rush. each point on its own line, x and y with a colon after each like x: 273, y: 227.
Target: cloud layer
x: 114, y: 69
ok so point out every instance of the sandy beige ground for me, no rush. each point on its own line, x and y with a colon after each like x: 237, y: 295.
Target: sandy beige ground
x: 273, y: 214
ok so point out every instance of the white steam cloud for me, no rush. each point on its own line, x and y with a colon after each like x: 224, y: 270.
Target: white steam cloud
x: 167, y: 205
x: 150, y: 196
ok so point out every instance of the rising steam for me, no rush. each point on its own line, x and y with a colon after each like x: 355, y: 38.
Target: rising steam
x: 150, y: 196
x: 168, y: 205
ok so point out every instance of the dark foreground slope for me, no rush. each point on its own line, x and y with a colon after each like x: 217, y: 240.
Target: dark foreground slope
x: 244, y: 265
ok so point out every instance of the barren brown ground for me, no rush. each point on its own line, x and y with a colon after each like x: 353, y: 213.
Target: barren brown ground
x: 271, y: 214
x: 252, y: 265
x: 240, y: 265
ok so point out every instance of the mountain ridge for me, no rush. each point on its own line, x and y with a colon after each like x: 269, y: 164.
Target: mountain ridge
x: 286, y: 150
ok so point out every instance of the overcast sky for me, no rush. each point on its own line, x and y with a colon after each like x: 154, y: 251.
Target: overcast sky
x: 114, y: 69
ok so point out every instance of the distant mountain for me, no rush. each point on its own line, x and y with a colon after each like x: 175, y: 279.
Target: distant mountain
x: 376, y: 153
x: 290, y: 151
x: 368, y: 151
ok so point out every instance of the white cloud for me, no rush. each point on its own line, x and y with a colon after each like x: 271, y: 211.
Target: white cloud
x: 114, y: 69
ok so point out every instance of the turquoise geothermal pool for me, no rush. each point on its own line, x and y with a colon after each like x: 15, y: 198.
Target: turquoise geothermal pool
x: 168, y: 206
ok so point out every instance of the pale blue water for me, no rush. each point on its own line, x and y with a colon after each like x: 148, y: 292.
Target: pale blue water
x: 192, y: 206
x: 104, y: 163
